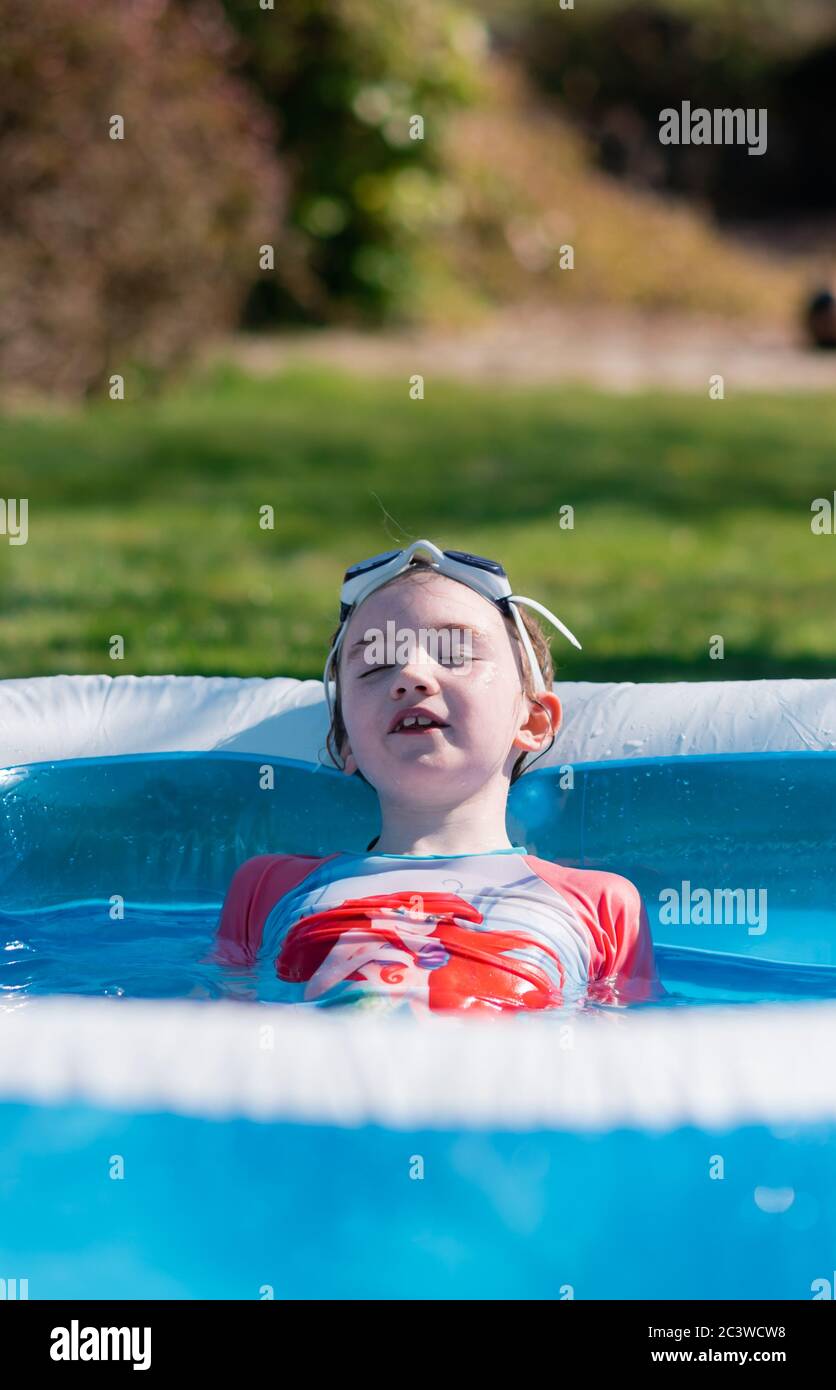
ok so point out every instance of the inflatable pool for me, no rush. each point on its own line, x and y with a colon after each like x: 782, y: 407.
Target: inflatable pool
x: 167, y: 1130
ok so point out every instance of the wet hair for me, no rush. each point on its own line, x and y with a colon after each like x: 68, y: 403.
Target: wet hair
x: 337, y: 733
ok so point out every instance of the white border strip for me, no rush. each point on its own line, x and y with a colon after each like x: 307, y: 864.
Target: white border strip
x: 649, y: 1069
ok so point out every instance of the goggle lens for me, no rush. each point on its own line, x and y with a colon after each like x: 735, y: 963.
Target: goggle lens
x: 478, y: 561
x: 462, y: 556
x: 363, y: 566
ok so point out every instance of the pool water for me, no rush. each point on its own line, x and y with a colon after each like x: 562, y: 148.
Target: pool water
x: 166, y: 832
x: 159, y: 953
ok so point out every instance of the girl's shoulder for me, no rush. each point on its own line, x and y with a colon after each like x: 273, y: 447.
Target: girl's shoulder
x: 256, y: 887
x: 589, y: 885
x: 612, y: 911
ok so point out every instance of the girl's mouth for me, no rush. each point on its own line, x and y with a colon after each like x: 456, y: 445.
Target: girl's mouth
x: 418, y: 729
x: 417, y: 724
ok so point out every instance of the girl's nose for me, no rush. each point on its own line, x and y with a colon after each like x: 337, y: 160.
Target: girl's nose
x: 414, y: 675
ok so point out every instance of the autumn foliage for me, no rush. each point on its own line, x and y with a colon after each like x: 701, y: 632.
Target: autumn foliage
x: 121, y: 255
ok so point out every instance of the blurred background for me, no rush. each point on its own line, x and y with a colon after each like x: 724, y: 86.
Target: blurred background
x: 266, y: 256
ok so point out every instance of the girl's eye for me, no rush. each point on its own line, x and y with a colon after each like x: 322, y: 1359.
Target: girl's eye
x: 457, y: 660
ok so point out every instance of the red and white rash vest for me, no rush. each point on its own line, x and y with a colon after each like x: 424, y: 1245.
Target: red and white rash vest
x: 484, y: 932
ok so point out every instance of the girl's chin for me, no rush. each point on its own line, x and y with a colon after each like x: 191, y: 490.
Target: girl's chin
x: 426, y: 757
x: 415, y: 753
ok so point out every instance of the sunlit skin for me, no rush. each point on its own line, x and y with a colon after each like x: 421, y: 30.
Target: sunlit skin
x: 444, y: 791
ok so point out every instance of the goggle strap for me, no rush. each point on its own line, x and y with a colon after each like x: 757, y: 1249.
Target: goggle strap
x: 561, y: 627
x: 533, y: 663
x: 326, y: 682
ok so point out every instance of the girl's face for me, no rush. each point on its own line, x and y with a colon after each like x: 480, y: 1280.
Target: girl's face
x: 450, y: 658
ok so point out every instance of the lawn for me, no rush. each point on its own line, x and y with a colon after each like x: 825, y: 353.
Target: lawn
x: 691, y: 518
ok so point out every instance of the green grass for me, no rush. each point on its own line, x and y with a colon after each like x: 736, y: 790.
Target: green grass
x: 692, y: 518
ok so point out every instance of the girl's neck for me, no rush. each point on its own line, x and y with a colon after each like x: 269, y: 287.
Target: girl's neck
x: 475, y: 826
x: 449, y: 840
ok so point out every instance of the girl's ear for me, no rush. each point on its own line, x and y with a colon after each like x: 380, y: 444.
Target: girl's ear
x: 554, y: 707
x: 542, y: 722
x: 349, y: 759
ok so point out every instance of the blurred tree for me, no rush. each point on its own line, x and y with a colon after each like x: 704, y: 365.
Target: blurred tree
x: 121, y: 254
x: 346, y: 77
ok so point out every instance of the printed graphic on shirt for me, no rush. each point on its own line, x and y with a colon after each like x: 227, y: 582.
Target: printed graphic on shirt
x: 420, y: 946
x: 490, y: 932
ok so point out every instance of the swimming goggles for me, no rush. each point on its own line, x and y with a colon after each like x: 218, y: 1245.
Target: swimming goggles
x: 486, y: 577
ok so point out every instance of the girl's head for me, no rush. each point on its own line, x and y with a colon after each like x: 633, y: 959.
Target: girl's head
x: 426, y: 643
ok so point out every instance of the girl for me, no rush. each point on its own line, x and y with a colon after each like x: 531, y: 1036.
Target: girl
x: 439, y: 690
